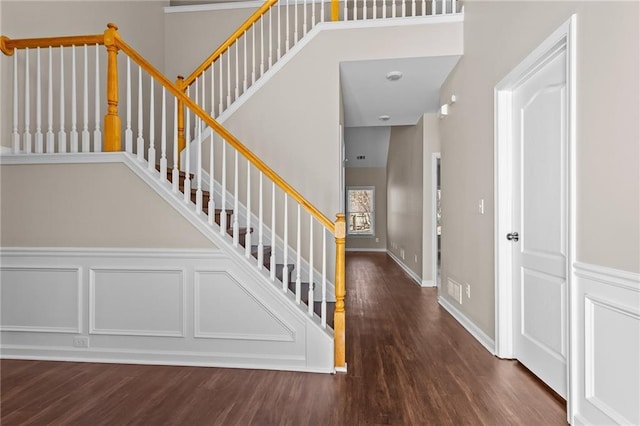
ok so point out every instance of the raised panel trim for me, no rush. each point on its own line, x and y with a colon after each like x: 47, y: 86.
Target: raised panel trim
x: 589, y: 357
x: 29, y: 329
x: 198, y: 333
x: 130, y: 332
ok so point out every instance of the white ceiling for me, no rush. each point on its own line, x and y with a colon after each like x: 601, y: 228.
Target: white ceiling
x: 367, y: 94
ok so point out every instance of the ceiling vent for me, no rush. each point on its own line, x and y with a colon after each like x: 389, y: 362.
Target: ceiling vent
x: 360, y: 157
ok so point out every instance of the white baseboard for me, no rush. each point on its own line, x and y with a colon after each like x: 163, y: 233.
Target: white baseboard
x: 405, y: 268
x: 428, y: 283
x: 473, y: 329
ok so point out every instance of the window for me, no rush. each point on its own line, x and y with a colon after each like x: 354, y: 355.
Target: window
x: 360, y: 214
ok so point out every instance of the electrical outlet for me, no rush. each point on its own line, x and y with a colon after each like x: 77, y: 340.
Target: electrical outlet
x: 468, y: 290
x: 402, y: 253
x: 81, y: 342
x: 415, y: 258
x: 377, y: 239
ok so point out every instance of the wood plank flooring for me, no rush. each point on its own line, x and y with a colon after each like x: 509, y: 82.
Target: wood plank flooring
x: 409, y: 361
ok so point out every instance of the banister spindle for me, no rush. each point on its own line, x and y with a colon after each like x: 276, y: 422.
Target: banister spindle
x: 50, y: 147
x: 270, y: 62
x: 313, y: 13
x: 345, y: 12
x: 260, y: 222
x: 287, y: 40
x: 311, y: 285
x: 454, y: 6
x: 39, y: 148
x: 393, y: 8
x: 27, y: 108
x: 272, y: 258
x: 223, y: 191
x: 213, y: 90
x: 364, y: 9
x: 413, y: 7
x: 304, y: 20
x: 237, y: 93
x: 236, y: 224
x: 247, y: 237
x: 62, y: 134
x: 444, y: 7
x: 187, y: 155
x: 279, y: 48
x: 140, y: 139
x: 323, y: 306
x: 220, y: 82
x: 404, y: 8
x: 245, y: 38
x: 295, y: 21
x: 181, y: 143
x: 355, y: 10
x: 339, y: 313
x: 433, y: 7
x: 374, y: 7
x: 285, y: 248
x: 262, y: 46
x: 97, y: 133
x: 228, y: 77
x: 384, y: 9
x: 151, y: 155
x: 112, y: 124
x: 74, y: 103
x: 298, y: 258
x: 128, y: 133
x: 322, y: 11
x: 212, y: 202
x: 175, y: 173
x: 163, y: 136
x: 424, y: 8
x: 86, y: 140
x: 15, y: 136
x: 253, y: 53
x: 199, y: 164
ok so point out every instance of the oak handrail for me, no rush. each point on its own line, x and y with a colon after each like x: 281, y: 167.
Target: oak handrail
x: 224, y: 133
x: 8, y: 45
x: 227, y: 43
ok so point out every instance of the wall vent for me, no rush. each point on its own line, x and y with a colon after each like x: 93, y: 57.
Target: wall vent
x: 454, y: 289
x: 360, y: 157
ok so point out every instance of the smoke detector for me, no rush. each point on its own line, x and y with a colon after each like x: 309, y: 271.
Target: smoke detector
x: 394, y: 75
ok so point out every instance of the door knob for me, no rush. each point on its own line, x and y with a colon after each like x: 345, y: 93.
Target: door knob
x: 513, y: 236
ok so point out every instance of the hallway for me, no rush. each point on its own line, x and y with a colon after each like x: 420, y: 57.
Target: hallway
x: 409, y: 362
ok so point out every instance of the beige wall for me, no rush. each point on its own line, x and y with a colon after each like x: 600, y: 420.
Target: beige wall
x: 431, y: 145
x: 498, y: 35
x: 404, y: 195
x: 141, y: 24
x: 87, y: 205
x: 376, y: 177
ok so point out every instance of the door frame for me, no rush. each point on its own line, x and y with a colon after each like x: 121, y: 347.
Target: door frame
x: 563, y: 38
x: 434, y: 222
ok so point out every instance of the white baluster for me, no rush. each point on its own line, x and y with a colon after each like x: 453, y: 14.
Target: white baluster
x: 74, y: 103
x: 213, y: 91
x: 62, y: 135
x: 223, y: 206
x: 272, y: 259
x: 298, y: 260
x: 163, y: 136
x: 304, y: 21
x: 295, y: 21
x: 187, y: 154
x: 345, y: 14
x: 424, y: 8
x: 279, y: 48
x: 50, y: 142
x: 322, y: 10
x: 262, y: 46
x: 260, y: 224
x: 270, y: 38
x: 237, y: 72
x: 384, y: 9
x: 151, y: 155
x: 97, y: 133
x: 175, y: 173
x: 128, y: 133
x: 39, y: 148
x: 310, y: 295
x: 404, y: 8
x: 204, y: 95
x: 247, y: 238
x: 228, y: 77
x: 236, y: 224
x: 375, y: 10
x: 444, y: 7
x: 285, y: 254
x: 323, y: 307
x: 86, y: 140
x: 221, y: 78
x: 313, y: 13
x: 245, y: 75
x: 393, y: 8
x: 27, y: 107
x: 355, y: 10
x: 15, y: 136
x: 454, y: 7
x: 433, y: 7
x: 413, y: 7
x: 212, y: 202
x: 287, y: 40
x: 140, y: 139
x: 199, y: 165
x: 253, y: 54
x: 364, y: 9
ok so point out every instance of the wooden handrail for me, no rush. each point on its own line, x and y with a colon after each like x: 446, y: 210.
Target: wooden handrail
x: 8, y: 45
x: 224, y: 133
x: 232, y: 38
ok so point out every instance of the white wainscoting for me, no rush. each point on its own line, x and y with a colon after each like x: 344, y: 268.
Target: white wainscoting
x: 606, y: 368
x: 148, y: 306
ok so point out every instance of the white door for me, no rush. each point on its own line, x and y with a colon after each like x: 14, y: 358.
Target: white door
x: 540, y: 164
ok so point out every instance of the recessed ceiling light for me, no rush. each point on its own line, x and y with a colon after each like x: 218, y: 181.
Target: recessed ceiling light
x: 384, y: 118
x: 394, y: 75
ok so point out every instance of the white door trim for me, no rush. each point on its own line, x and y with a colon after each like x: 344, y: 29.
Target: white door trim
x: 563, y: 37
x: 434, y: 222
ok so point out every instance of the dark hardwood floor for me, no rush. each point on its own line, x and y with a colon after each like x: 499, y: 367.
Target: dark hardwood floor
x: 409, y: 361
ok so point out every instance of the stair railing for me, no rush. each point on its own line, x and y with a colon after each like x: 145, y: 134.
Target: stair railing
x: 238, y: 170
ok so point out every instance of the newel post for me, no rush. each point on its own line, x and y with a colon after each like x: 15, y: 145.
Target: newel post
x: 112, y: 125
x: 182, y: 143
x: 339, y: 314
